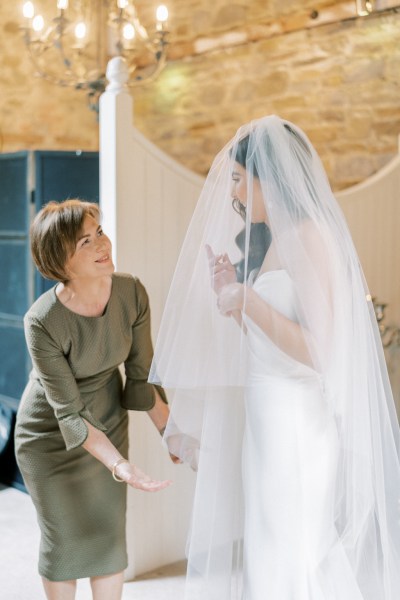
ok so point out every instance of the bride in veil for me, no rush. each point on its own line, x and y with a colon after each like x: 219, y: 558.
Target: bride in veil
x: 281, y: 398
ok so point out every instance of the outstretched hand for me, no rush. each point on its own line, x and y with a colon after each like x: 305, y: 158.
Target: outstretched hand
x: 134, y: 477
x: 222, y: 271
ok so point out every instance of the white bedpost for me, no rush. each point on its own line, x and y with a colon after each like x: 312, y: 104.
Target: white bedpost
x: 146, y: 199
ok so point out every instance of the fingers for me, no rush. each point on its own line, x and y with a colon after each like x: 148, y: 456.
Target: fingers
x: 153, y: 486
x: 175, y: 459
x: 223, y: 266
x: 216, y: 259
x: 139, y: 480
x: 210, y: 253
x: 149, y: 485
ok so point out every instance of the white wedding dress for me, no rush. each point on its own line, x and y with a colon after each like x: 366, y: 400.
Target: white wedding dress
x: 298, y: 468
x: 291, y: 547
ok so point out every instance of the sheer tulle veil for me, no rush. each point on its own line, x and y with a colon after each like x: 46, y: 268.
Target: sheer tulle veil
x: 201, y: 356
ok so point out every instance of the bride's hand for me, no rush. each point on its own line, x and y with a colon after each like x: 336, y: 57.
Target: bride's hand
x: 230, y: 298
x: 134, y: 477
x: 186, y: 447
x: 222, y: 271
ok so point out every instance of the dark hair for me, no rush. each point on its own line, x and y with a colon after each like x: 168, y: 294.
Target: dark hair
x: 242, y: 149
x: 288, y: 194
x: 241, y: 155
x: 260, y: 234
x: 54, y: 234
x: 259, y: 242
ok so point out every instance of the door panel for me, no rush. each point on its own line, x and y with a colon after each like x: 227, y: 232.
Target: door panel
x: 55, y: 176
x: 63, y: 175
x: 15, y: 273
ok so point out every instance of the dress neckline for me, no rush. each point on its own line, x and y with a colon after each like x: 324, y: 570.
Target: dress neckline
x: 270, y: 272
x: 58, y: 301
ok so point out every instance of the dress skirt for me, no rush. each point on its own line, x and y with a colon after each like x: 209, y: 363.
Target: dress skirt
x: 81, y: 510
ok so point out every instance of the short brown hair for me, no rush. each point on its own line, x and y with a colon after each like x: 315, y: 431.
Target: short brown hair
x: 54, y: 234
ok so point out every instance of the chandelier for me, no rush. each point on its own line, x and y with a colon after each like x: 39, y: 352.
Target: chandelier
x: 72, y: 48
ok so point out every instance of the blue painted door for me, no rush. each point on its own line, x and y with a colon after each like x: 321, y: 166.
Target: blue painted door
x: 16, y: 289
x: 28, y: 180
x: 16, y: 295
x: 62, y: 175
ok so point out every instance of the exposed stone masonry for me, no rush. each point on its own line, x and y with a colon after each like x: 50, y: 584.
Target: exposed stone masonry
x: 340, y: 82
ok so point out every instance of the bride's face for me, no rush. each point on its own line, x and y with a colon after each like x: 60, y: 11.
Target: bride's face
x: 239, y: 192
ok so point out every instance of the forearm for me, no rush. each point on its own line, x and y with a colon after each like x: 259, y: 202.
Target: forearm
x: 289, y: 336
x: 159, y: 413
x: 237, y: 315
x: 99, y: 446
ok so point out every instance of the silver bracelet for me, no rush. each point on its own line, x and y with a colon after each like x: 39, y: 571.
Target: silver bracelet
x: 115, y: 465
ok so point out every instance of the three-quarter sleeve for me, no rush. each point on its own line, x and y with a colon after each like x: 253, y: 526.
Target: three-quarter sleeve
x: 59, y: 384
x: 138, y: 393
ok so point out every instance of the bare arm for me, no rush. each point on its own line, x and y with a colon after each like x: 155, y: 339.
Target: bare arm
x: 99, y: 446
x: 159, y: 414
x: 288, y: 335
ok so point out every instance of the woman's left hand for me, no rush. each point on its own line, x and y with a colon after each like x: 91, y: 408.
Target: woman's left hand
x: 136, y: 478
x: 230, y: 298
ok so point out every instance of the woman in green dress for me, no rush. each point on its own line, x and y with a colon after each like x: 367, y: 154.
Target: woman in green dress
x: 71, y: 432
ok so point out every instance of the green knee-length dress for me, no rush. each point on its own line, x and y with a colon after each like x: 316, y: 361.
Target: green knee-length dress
x: 81, y: 509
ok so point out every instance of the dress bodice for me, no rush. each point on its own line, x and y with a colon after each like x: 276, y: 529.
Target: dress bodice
x: 265, y: 358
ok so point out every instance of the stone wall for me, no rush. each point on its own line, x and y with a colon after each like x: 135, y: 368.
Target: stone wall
x: 338, y: 81
x: 35, y: 114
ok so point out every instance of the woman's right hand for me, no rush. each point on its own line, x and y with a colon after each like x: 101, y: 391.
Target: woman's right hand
x: 186, y: 448
x: 134, y: 477
x: 222, y: 271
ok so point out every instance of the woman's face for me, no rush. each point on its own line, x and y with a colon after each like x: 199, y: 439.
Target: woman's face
x: 92, y: 256
x: 239, y: 192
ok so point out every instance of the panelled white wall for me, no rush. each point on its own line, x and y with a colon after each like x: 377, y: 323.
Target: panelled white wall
x: 372, y: 210
x: 147, y: 200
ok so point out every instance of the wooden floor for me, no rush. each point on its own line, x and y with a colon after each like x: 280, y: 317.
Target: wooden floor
x: 19, y: 540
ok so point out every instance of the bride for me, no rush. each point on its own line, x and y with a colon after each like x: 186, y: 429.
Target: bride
x: 281, y: 395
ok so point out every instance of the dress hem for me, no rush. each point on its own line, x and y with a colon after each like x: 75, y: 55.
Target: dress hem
x: 99, y: 573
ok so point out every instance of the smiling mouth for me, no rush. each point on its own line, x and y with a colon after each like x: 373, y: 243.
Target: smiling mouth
x: 103, y: 259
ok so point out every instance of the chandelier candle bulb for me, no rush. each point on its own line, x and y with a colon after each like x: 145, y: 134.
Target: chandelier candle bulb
x: 122, y: 4
x: 80, y: 30
x: 28, y: 10
x: 38, y: 23
x: 129, y: 31
x: 162, y: 17
x: 62, y: 4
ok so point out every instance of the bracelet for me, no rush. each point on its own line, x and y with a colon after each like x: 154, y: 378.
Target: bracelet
x: 162, y: 430
x: 115, y: 465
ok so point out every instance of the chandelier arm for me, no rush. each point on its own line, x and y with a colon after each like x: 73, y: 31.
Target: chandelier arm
x: 46, y: 76
x: 158, y: 67
x: 74, y: 63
